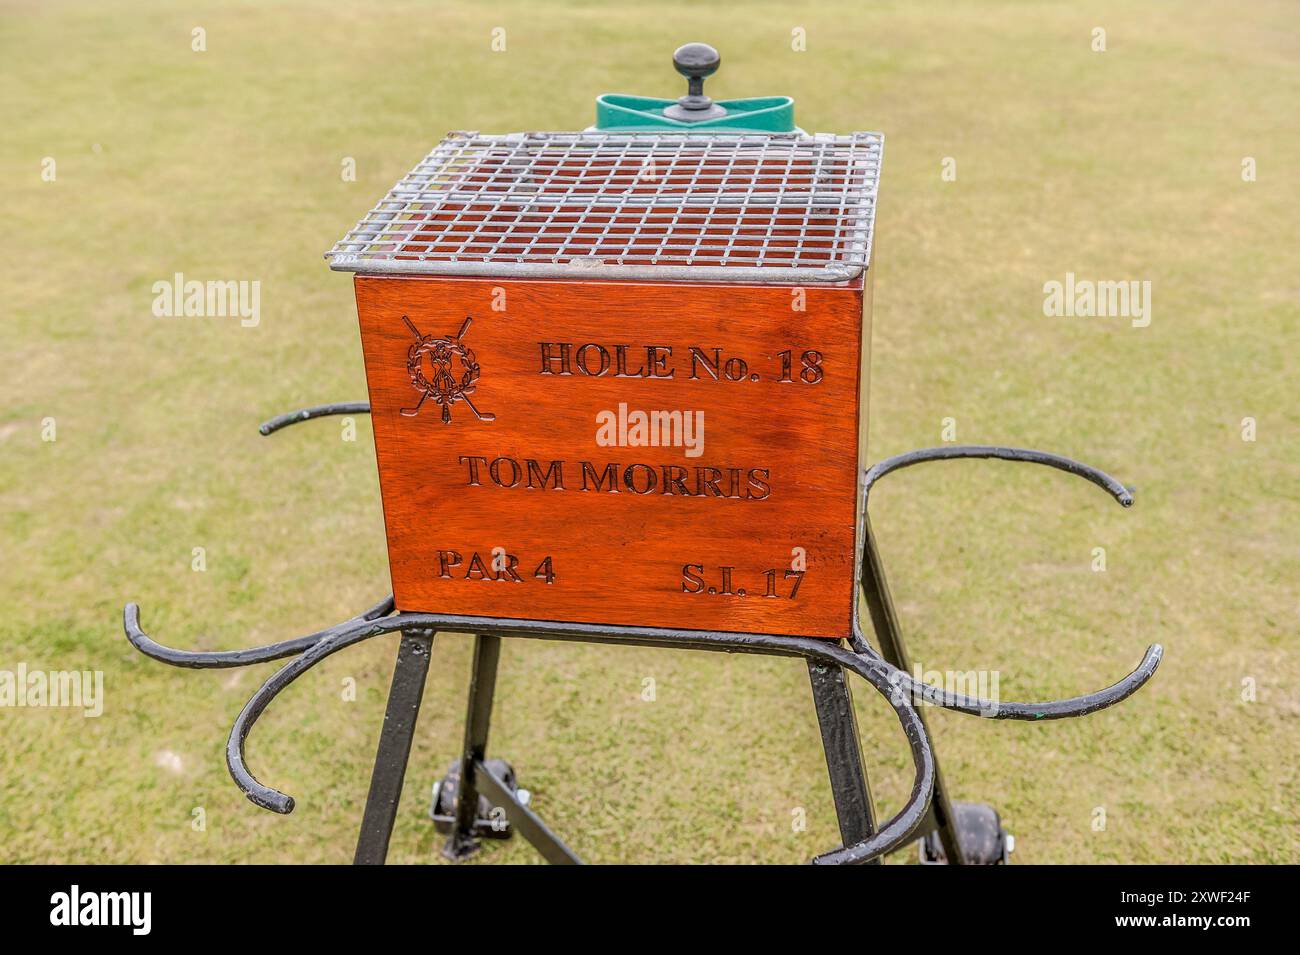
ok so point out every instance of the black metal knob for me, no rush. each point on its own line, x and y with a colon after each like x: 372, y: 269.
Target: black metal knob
x: 695, y: 61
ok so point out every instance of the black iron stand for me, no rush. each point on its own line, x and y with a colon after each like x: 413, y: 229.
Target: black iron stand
x: 480, y: 788
x: 478, y: 800
x: 470, y: 817
x: 400, y: 717
x: 480, y: 797
x: 884, y: 622
x: 462, y: 841
x: 833, y: 699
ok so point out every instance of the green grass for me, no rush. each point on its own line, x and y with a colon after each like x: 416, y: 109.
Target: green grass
x: 226, y: 164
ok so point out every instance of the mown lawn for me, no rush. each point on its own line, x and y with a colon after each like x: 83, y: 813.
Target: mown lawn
x: 1123, y: 164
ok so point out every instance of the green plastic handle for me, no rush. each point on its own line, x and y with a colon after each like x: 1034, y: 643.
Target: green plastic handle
x: 620, y: 112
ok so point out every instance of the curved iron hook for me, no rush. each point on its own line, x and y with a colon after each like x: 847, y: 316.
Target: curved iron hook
x: 257, y: 793
x: 977, y: 706
x: 319, y: 411
x: 218, y: 659
x: 1098, y: 477
x: 998, y: 710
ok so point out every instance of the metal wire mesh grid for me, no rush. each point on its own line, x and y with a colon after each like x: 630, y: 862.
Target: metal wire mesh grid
x: 671, y: 206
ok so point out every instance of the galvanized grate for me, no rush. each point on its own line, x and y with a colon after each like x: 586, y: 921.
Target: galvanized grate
x: 670, y: 206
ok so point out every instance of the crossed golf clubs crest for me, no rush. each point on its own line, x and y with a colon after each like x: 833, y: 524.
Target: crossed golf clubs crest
x: 452, y: 374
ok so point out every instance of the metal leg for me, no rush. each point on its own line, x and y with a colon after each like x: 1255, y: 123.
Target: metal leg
x: 482, y: 686
x: 890, y: 640
x: 394, y: 746
x: 525, y: 821
x: 839, y: 725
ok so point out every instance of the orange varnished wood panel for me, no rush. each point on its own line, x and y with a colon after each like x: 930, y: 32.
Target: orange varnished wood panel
x: 501, y: 500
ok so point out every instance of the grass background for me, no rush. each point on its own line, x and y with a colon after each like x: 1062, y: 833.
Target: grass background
x: 226, y: 164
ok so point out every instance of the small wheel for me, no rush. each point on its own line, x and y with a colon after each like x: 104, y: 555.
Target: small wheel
x: 442, y: 808
x: 979, y: 829
x: 504, y: 772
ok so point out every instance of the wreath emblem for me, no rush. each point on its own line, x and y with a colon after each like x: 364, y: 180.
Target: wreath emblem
x: 443, y: 369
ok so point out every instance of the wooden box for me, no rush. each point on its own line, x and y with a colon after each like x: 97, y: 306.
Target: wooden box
x: 572, y: 440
